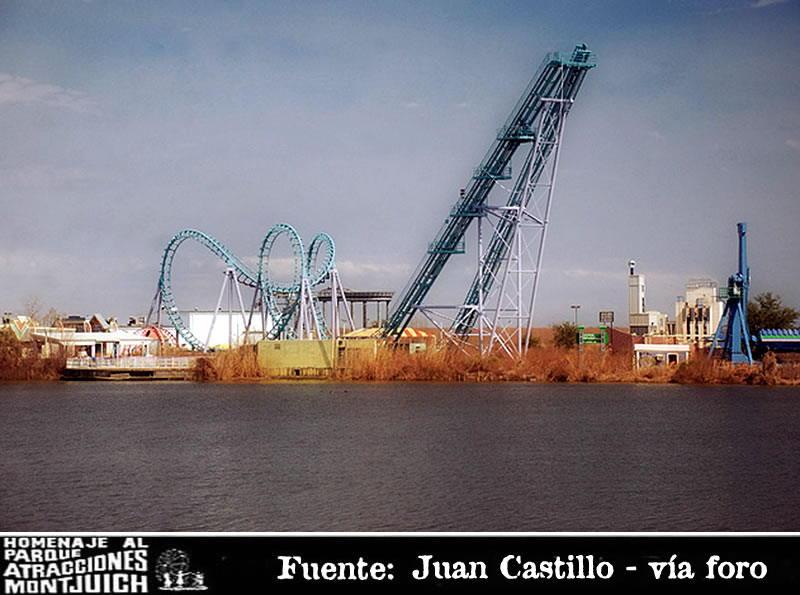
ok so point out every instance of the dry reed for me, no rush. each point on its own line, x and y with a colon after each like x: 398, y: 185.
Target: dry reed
x: 542, y: 364
x: 551, y: 364
x: 20, y: 361
x: 229, y: 366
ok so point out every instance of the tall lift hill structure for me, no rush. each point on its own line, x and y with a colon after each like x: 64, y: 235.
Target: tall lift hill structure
x: 501, y: 297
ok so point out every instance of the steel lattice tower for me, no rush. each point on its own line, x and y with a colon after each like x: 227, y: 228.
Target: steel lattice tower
x: 512, y: 259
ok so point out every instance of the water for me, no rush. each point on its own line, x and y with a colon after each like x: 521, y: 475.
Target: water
x: 398, y: 457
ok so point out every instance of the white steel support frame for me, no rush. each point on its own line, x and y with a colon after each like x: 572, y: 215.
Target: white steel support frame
x: 306, y: 325
x: 258, y: 300
x: 434, y: 314
x: 505, y: 314
x: 230, y: 283
x: 337, y: 292
x: 513, y: 312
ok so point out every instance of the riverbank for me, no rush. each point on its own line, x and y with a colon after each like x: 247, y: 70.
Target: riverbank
x: 15, y: 365
x: 542, y: 364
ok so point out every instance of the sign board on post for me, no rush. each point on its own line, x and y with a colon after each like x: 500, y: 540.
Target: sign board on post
x: 600, y: 338
x: 607, y: 317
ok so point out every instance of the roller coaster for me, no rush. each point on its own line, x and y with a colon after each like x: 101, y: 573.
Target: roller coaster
x: 513, y: 257
x: 288, y: 308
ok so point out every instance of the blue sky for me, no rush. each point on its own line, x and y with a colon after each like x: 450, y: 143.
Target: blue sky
x: 126, y: 122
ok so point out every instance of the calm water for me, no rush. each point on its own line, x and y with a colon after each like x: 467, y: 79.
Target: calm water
x: 398, y: 457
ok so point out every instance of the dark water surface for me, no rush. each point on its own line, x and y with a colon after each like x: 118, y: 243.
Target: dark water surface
x: 398, y: 457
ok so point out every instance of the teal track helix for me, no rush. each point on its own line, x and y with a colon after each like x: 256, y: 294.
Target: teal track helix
x: 281, y: 298
x: 559, y: 76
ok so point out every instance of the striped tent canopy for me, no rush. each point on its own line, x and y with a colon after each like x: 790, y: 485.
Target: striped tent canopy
x: 157, y: 332
x: 371, y: 333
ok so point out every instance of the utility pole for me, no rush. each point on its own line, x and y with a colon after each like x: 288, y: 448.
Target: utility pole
x: 576, y: 307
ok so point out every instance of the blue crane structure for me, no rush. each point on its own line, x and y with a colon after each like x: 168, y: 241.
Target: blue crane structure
x: 732, y: 334
x: 537, y: 119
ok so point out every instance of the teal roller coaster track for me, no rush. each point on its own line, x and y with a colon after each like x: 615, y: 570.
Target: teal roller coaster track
x: 536, y: 120
x: 282, y: 299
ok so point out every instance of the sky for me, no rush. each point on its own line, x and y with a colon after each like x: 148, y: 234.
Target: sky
x: 125, y: 122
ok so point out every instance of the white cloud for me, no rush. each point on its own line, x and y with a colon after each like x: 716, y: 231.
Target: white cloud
x: 580, y: 273
x: 348, y: 267
x: 17, y: 89
x: 739, y: 7
x: 765, y: 3
x: 282, y: 269
x: 59, y: 264
x: 793, y: 143
x: 48, y: 177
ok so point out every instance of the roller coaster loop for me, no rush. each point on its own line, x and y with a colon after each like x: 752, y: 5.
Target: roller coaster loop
x: 282, y: 299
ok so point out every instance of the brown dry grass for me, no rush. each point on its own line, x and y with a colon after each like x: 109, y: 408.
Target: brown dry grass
x: 715, y: 371
x: 550, y: 364
x: 543, y: 364
x: 547, y: 364
x: 20, y: 361
x: 390, y: 364
x: 229, y: 366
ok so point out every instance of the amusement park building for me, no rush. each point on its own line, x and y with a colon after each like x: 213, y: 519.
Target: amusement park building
x: 83, y: 337
x: 221, y: 330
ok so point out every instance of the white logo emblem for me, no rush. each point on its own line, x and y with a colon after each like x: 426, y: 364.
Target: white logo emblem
x: 173, y: 574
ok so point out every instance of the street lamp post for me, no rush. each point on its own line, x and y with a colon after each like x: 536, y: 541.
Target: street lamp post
x: 576, y: 307
x: 579, y: 338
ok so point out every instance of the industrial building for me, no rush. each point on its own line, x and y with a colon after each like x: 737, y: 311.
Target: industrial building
x: 658, y: 340
x: 641, y: 321
x: 698, y: 315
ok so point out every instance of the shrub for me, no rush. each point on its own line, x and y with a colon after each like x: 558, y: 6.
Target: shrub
x: 565, y: 335
x: 20, y: 361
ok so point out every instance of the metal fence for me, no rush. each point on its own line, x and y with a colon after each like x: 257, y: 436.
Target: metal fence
x: 132, y: 362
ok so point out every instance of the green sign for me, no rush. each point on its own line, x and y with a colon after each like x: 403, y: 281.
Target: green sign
x: 592, y: 338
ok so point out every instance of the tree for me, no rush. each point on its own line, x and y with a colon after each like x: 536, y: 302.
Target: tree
x: 52, y: 317
x: 32, y: 307
x: 767, y: 311
x: 10, y: 355
x: 565, y: 334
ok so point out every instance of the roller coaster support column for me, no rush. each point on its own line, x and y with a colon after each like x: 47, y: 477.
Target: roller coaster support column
x: 538, y: 119
x: 230, y: 282
x: 732, y: 331
x: 155, y: 308
x: 337, y: 292
x: 517, y: 245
